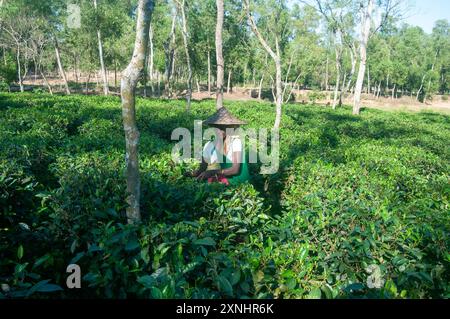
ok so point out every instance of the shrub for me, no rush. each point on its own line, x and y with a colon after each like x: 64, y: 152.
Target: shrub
x: 90, y: 193
x: 4, y: 86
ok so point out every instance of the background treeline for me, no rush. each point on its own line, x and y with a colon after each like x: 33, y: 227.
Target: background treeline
x: 318, y: 43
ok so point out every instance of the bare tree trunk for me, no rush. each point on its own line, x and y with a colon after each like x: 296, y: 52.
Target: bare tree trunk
x: 78, y: 69
x: 75, y: 69
x: 279, y: 94
x: 144, y: 76
x: 245, y: 75
x: 287, y: 74
x: 39, y: 70
x: 188, y: 58
x: 100, y: 53
x: 219, y: 56
x: 198, y: 85
x: 169, y: 49
x: 276, y: 58
x: 260, y: 87
x: 209, y: 71
x: 35, y: 73
x: 151, y: 66
x: 87, y: 82
x: 130, y: 77
x: 115, y: 73
x: 387, y: 85
x: 353, y: 61
x: 432, y: 69
x: 338, y: 77
x: 253, y: 77
x: 158, y: 75
x: 96, y: 80
x: 393, y: 91
x: 60, y: 67
x: 379, y: 90
x: 295, y: 84
x: 326, y: 74
x: 19, y: 69
x: 229, y: 81
x: 421, y: 87
x: 365, y: 32
x: 46, y: 82
x: 336, y: 89
x: 341, y: 95
x: 25, y: 71
x: 174, y: 73
x: 368, y: 79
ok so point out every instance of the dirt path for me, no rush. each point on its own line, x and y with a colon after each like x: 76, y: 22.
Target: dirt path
x: 382, y: 103
x: 404, y: 103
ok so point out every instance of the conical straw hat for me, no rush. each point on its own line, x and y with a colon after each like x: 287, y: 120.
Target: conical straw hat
x: 223, y: 117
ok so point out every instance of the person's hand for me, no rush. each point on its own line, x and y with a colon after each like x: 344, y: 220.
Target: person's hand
x: 205, y: 175
x: 189, y: 174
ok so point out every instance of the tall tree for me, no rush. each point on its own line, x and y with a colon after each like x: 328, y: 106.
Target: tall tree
x: 365, y: 32
x: 62, y: 72
x: 169, y: 49
x: 441, y: 41
x: 219, y: 55
x: 184, y: 32
x: 388, y: 9
x: 151, y: 58
x: 203, y: 13
x: 339, y: 20
x: 130, y: 78
x: 38, y: 44
x: 16, y: 29
x: 100, y: 51
x: 276, y: 57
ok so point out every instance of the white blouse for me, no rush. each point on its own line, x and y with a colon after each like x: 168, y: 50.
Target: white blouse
x: 210, y: 153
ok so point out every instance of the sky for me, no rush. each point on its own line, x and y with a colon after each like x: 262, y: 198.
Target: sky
x: 424, y: 13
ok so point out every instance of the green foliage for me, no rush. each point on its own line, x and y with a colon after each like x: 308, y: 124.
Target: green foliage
x: 359, y: 207
x: 8, y: 73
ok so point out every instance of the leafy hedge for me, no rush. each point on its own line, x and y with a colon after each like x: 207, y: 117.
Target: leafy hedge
x: 360, y: 207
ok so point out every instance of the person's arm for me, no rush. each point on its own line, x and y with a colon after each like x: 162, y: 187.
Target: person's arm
x: 207, y: 174
x: 201, y: 173
x: 203, y: 165
x: 235, y: 168
x: 201, y: 169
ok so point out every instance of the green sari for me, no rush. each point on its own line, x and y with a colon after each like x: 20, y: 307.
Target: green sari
x: 243, y: 174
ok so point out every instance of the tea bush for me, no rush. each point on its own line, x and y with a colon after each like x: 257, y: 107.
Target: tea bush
x: 358, y: 209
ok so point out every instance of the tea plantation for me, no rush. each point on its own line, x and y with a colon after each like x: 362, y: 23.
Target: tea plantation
x: 359, y: 208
